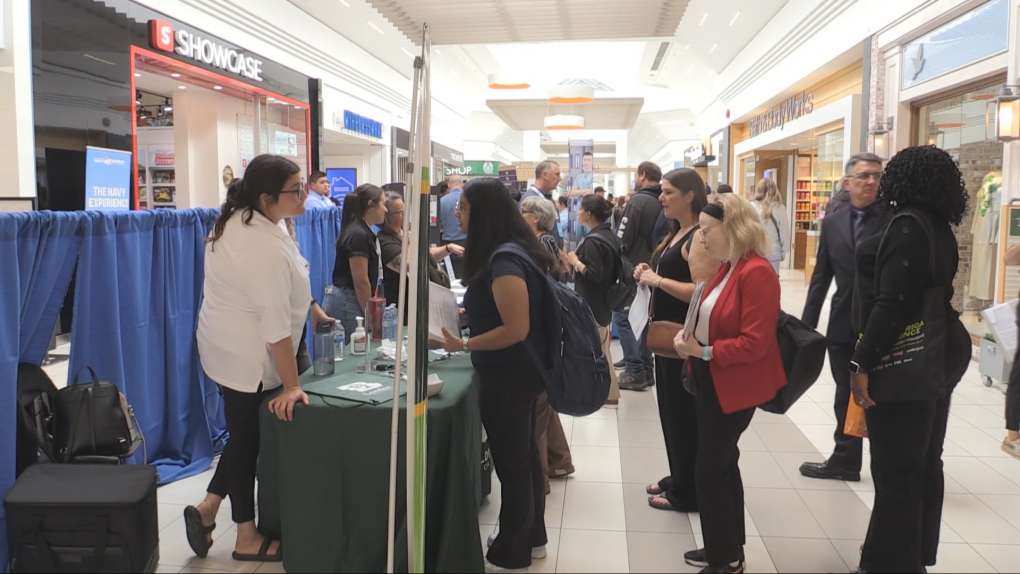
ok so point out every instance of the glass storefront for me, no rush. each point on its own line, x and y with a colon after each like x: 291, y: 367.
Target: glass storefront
x: 959, y: 124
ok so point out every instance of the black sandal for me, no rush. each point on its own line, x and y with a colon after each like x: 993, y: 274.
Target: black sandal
x: 198, y: 533
x: 263, y: 555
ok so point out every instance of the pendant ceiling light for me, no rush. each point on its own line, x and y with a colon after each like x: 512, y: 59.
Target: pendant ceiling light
x: 564, y: 122
x: 497, y: 82
x: 571, y: 94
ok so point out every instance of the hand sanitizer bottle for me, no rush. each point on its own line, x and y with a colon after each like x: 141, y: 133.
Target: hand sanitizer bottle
x: 359, y: 341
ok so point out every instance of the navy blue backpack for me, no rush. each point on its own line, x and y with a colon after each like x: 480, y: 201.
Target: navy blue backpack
x: 574, y: 368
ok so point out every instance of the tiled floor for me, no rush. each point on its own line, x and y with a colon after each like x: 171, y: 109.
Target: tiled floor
x: 599, y: 520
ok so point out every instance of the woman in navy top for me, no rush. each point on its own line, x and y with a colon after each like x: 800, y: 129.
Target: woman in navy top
x: 504, y: 303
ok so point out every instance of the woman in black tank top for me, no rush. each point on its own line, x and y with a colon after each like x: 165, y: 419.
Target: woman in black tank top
x: 669, y: 277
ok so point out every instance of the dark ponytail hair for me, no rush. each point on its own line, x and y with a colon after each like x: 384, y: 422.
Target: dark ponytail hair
x: 597, y: 206
x: 356, y: 203
x: 265, y: 175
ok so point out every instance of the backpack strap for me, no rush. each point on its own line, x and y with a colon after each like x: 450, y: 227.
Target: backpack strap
x: 519, y: 252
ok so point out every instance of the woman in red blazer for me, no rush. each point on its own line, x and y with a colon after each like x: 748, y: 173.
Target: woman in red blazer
x: 734, y: 361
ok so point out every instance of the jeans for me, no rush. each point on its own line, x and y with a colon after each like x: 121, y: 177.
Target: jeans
x: 636, y: 355
x: 344, y: 307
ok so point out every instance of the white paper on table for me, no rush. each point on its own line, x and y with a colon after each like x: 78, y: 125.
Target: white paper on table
x: 638, y: 315
x: 1002, y: 321
x: 443, y: 312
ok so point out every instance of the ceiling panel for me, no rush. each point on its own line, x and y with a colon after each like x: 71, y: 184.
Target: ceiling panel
x: 502, y: 21
x: 602, y: 114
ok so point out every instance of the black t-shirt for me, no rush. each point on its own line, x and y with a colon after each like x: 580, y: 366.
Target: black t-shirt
x: 483, y: 315
x: 357, y: 240
x: 672, y: 265
x: 389, y: 245
x: 601, y: 271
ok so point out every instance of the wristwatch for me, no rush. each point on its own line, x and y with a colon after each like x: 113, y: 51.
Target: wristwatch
x: 856, y: 368
x: 706, y: 353
x: 465, y: 348
x: 577, y: 267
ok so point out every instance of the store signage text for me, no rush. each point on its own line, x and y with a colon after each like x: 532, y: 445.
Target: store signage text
x: 359, y: 124
x: 791, y: 109
x: 474, y: 168
x: 163, y: 38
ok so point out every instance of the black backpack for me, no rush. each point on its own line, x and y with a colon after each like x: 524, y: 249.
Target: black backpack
x: 574, y: 368
x: 37, y: 396
x: 622, y: 292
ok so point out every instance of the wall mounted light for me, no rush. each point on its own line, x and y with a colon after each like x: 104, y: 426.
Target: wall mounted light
x: 1007, y: 114
x: 879, y: 136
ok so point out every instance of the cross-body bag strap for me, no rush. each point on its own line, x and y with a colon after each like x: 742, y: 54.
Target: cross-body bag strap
x: 778, y: 234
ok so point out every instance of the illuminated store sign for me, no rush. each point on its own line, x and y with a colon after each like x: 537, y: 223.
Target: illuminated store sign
x: 163, y: 38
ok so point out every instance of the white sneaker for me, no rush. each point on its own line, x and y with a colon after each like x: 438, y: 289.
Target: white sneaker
x: 1012, y: 448
x: 537, y: 553
x: 489, y: 567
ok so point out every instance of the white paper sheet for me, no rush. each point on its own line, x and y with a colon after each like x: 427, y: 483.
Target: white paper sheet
x: 1001, y: 319
x: 443, y: 312
x: 638, y: 315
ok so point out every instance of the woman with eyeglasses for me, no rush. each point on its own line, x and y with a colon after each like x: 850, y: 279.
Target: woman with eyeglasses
x: 257, y: 295
x: 358, y: 260
x: 505, y: 305
x: 391, y: 242
x: 733, y: 366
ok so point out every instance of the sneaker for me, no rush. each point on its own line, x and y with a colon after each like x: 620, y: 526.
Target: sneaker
x: 620, y: 364
x: 727, y: 569
x: 698, y: 559
x: 490, y: 567
x: 1012, y: 448
x: 633, y: 381
x: 537, y: 553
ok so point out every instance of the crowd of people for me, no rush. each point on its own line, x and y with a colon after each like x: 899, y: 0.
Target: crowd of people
x: 711, y: 262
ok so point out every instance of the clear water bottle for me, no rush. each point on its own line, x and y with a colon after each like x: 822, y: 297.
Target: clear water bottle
x: 390, y: 323
x: 323, y: 350
x: 339, y: 341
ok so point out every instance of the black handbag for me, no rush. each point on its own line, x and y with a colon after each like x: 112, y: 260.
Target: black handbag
x: 915, y: 365
x: 803, y: 351
x: 93, y: 422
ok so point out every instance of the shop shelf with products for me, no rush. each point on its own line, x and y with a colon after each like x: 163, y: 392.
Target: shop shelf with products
x: 156, y: 153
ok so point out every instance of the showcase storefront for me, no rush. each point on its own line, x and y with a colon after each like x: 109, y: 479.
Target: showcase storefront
x: 190, y: 109
x: 940, y: 94
x: 802, y: 142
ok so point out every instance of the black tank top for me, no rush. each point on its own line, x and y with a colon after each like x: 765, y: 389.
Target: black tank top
x: 672, y: 265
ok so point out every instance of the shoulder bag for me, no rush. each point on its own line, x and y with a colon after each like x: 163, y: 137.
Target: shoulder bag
x: 662, y: 333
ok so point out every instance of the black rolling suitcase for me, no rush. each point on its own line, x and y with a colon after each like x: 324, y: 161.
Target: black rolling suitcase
x: 83, y: 518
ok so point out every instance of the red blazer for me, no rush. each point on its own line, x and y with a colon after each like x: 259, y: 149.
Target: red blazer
x: 746, y: 366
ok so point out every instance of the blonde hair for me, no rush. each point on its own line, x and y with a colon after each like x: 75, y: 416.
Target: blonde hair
x: 767, y: 194
x: 742, y: 226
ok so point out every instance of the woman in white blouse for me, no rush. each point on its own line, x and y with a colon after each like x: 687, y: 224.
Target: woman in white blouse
x: 256, y: 300
x: 769, y: 205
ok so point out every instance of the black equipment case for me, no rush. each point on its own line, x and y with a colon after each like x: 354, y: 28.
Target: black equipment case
x: 83, y: 518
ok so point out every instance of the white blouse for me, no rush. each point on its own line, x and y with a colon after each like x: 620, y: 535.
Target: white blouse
x: 701, y: 330
x: 256, y: 292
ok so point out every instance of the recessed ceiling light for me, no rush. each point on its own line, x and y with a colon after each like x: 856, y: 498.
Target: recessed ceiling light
x: 272, y: 99
x: 714, y: 46
x: 175, y: 75
x: 735, y: 16
x: 218, y: 87
x: 183, y: 87
x: 703, y: 18
x: 376, y: 28
x: 687, y: 48
x: 438, y: 52
x: 298, y: 107
x: 404, y: 50
x: 137, y: 75
x: 345, y: 3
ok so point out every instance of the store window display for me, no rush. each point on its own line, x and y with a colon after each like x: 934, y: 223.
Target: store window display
x: 957, y: 123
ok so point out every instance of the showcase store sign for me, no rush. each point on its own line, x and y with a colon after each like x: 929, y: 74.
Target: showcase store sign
x: 791, y: 109
x: 188, y: 45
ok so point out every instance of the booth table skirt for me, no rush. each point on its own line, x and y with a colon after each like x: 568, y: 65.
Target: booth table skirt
x: 324, y: 479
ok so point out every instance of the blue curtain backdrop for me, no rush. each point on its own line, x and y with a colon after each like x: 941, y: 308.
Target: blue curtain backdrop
x: 37, y: 255
x: 136, y: 305
x: 316, y: 232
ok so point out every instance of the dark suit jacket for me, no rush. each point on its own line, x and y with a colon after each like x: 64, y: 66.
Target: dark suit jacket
x: 835, y: 260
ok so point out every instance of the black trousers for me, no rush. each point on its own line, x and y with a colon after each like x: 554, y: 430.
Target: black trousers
x: 678, y: 413
x: 906, y: 464
x: 235, y: 474
x: 1013, y: 396
x: 507, y: 400
x: 720, y: 488
x: 849, y: 451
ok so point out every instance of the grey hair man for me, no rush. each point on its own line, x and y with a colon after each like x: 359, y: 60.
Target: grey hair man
x: 841, y: 196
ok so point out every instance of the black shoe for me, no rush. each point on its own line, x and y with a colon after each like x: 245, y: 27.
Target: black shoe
x: 727, y: 569
x: 620, y: 364
x: 633, y: 381
x: 698, y: 559
x: 824, y: 470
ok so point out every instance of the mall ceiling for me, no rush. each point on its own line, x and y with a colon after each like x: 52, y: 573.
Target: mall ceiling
x: 499, y: 21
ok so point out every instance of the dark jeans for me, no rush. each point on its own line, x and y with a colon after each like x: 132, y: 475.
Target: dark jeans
x: 720, y: 488
x: 346, y: 308
x: 678, y: 413
x: 507, y: 398
x: 849, y: 451
x: 906, y: 464
x: 235, y: 474
x: 635, y: 353
x: 1013, y: 396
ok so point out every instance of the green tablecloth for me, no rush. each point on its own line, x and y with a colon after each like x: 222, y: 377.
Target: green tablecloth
x: 324, y: 479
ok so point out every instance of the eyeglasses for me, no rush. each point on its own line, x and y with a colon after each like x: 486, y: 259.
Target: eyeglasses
x: 704, y: 230
x: 875, y: 175
x: 461, y: 207
x: 298, y: 190
x: 395, y: 213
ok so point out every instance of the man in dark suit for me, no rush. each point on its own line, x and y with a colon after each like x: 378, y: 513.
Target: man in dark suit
x: 841, y: 231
